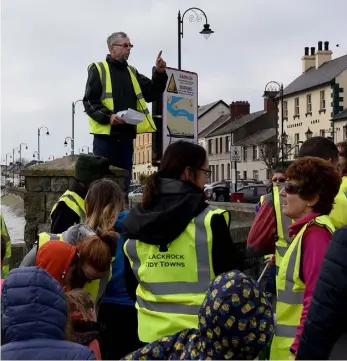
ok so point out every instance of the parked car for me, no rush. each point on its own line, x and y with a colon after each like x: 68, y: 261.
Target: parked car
x: 218, y: 191
x: 136, y: 195
x: 252, y: 193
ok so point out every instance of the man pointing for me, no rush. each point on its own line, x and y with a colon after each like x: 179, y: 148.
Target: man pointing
x: 112, y: 86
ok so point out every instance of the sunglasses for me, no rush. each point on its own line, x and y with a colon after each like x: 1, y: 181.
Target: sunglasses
x: 125, y: 45
x: 278, y: 180
x: 292, y: 188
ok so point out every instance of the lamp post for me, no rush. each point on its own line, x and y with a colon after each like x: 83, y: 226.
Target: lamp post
x: 35, y: 152
x: 85, y: 146
x: 7, y: 155
x: 272, y: 90
x: 13, y: 163
x: 66, y: 143
x: 308, y: 133
x: 20, y: 151
x: 195, y: 16
x: 73, y: 126
x: 38, y: 140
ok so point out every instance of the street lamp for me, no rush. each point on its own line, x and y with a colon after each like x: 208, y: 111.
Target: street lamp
x: 85, y: 146
x: 38, y: 140
x: 13, y: 163
x: 35, y: 153
x: 308, y: 133
x: 272, y: 90
x: 73, y: 126
x: 20, y: 151
x: 7, y: 155
x: 66, y: 143
x: 206, y: 31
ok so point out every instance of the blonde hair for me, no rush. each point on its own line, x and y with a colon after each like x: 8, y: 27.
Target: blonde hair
x: 104, y: 202
x: 79, y: 304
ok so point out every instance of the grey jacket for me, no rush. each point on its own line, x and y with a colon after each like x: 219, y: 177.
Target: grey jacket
x: 72, y: 236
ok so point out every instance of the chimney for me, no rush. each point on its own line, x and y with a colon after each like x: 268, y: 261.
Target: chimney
x: 269, y: 104
x: 308, y: 61
x: 239, y: 108
x: 323, y: 56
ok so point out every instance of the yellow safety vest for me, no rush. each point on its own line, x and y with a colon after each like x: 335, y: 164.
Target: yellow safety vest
x: 343, y: 187
x: 173, y: 284
x: 275, y: 201
x: 290, y: 293
x: 94, y: 288
x: 5, y: 238
x: 146, y: 126
x: 338, y: 215
x: 74, y: 202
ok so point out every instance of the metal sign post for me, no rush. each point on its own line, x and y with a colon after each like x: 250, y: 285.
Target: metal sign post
x: 235, y: 157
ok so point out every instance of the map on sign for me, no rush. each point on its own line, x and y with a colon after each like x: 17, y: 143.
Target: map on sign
x: 180, y: 107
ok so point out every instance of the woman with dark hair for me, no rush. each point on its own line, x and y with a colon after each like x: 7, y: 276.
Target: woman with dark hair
x: 177, y: 244
x: 342, y: 147
x: 310, y: 189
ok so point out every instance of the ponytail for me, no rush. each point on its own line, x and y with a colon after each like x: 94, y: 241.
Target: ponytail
x: 151, y: 190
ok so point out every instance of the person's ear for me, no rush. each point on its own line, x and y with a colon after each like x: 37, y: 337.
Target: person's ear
x: 313, y: 200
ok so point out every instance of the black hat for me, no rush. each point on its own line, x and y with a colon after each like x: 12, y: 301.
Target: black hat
x: 89, y: 168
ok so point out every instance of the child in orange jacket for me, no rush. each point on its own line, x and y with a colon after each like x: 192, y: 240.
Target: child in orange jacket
x: 84, y: 328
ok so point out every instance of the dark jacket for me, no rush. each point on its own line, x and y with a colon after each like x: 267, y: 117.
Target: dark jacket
x: 64, y: 217
x: 178, y: 204
x: 116, y: 291
x: 325, y: 333
x: 34, y: 319
x: 123, y: 94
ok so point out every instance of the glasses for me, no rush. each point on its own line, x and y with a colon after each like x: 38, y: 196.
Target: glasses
x: 292, y: 188
x: 206, y: 171
x: 124, y: 45
x: 278, y: 180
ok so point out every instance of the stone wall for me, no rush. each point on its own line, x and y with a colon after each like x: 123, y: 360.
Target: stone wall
x: 44, y: 184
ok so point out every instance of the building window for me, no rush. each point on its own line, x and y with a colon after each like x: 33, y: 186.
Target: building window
x: 255, y: 152
x: 216, y: 146
x: 322, y: 100
x: 238, y: 175
x: 143, y: 157
x: 308, y: 103
x: 244, y: 174
x: 285, y: 109
x: 221, y: 145
x: 134, y: 158
x: 245, y: 154
x: 322, y: 132
x: 296, y: 138
x: 222, y: 171
x: 344, y: 135
x: 256, y: 174
x: 217, y: 173
x: 227, y: 144
x: 210, y: 146
x: 149, y: 156
x: 212, y: 173
x: 229, y: 171
x: 296, y: 106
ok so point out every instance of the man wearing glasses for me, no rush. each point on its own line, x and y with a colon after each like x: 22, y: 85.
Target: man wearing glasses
x: 112, y: 86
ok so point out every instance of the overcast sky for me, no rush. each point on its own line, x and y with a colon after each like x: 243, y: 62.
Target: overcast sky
x: 47, y: 45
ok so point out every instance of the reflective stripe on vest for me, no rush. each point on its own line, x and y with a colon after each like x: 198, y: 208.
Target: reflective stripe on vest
x: 146, y: 126
x: 5, y: 239
x: 290, y: 293
x: 74, y: 202
x: 185, y: 292
x: 95, y: 288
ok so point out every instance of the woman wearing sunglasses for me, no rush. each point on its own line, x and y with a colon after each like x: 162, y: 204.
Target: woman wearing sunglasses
x: 309, y: 192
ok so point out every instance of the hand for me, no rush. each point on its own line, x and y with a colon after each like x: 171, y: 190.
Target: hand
x: 115, y: 119
x: 271, y: 261
x: 160, y: 64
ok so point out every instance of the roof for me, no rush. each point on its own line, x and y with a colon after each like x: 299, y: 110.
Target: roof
x: 215, y: 125
x: 314, y: 77
x: 233, y: 124
x: 341, y: 116
x: 260, y: 137
x: 205, y: 108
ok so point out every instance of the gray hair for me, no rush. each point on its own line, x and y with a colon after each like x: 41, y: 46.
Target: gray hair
x: 113, y: 37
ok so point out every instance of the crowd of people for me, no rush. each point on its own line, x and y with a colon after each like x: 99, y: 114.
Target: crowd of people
x: 165, y: 280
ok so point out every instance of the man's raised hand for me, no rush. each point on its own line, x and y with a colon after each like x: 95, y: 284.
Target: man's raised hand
x: 160, y: 64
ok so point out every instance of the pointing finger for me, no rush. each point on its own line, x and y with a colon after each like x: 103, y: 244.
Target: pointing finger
x: 159, y: 55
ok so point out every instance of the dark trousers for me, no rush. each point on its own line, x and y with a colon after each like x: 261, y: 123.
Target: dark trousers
x: 119, y: 336
x: 119, y: 153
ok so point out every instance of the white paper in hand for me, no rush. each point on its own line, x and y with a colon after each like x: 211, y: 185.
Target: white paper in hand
x: 131, y: 116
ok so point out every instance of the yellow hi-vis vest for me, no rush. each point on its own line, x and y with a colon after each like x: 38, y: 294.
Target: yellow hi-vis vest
x: 95, y: 288
x: 5, y: 238
x: 282, y: 223
x: 338, y: 215
x: 74, y: 202
x: 146, y: 126
x: 173, y: 284
x: 290, y: 293
x: 343, y: 187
